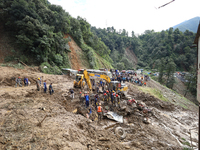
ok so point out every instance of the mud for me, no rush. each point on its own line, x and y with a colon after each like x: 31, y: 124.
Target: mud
x: 22, y: 108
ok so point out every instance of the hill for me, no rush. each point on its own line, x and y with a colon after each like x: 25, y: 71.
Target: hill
x: 190, y: 25
x: 38, y: 29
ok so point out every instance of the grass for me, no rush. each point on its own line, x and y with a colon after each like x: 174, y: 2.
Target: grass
x: 182, y: 105
x: 184, y: 142
x: 17, y: 66
x: 185, y: 148
x: 154, y: 92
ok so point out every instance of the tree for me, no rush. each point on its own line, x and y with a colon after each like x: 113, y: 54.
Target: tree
x: 120, y: 66
x: 161, y: 68
x: 170, y: 69
x: 191, y: 79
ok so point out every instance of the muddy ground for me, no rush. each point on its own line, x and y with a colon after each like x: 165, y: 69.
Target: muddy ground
x: 22, y: 110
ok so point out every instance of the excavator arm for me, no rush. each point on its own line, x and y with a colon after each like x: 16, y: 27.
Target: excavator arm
x: 87, y: 78
x: 88, y: 75
x: 102, y: 76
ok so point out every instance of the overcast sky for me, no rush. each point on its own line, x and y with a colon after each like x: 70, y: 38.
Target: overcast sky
x: 132, y: 15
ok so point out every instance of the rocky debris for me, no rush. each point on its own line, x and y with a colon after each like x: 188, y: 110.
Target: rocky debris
x: 63, y: 129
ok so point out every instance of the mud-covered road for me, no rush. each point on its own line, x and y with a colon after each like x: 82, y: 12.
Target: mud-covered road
x: 22, y: 110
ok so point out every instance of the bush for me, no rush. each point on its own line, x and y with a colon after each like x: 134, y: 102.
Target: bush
x: 48, y: 69
x: 9, y: 58
x: 58, y: 59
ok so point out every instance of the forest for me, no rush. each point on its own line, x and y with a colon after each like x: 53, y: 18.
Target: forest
x: 39, y: 28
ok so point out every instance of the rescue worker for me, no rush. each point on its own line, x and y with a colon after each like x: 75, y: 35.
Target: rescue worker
x: 26, y: 81
x: 72, y: 93
x: 104, y: 95
x: 101, y: 83
x: 18, y: 81
x: 99, y: 112
x: 112, y: 96
x: 108, y: 95
x: 97, y: 88
x: 87, y: 100
x: 45, y: 86
x: 38, y: 84
x: 96, y: 100
x: 51, y: 91
x: 103, y: 87
x: 41, y: 80
x: 117, y: 98
x: 114, y: 87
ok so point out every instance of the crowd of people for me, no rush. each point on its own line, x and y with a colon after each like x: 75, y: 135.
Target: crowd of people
x: 109, y: 96
x: 26, y: 82
x: 126, y: 77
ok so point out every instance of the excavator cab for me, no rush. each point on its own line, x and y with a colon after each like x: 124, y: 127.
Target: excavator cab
x: 114, y: 85
x: 78, y: 82
x: 78, y: 78
x: 118, y: 87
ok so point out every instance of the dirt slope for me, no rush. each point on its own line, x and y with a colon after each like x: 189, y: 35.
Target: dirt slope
x: 23, y: 108
x: 131, y: 57
x: 76, y: 56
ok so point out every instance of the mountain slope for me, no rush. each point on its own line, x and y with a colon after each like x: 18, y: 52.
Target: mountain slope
x: 190, y: 25
x: 38, y: 32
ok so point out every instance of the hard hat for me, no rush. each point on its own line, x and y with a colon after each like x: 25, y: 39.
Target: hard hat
x: 38, y: 78
x: 19, y: 77
x: 80, y: 92
x: 104, y: 94
x: 113, y: 91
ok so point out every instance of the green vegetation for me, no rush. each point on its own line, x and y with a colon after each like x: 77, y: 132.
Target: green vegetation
x: 184, y: 142
x: 185, y: 148
x: 39, y: 28
x: 154, y: 92
x: 118, y: 42
x: 17, y: 66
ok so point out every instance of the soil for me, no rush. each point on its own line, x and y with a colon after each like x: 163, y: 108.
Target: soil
x: 32, y: 119
x: 75, y: 55
x: 131, y: 57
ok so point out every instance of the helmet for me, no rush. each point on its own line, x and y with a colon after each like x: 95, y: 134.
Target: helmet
x: 19, y: 77
x: 38, y: 78
x: 104, y: 94
x: 113, y: 91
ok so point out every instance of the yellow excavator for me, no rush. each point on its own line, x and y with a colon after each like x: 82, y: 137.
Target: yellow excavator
x: 112, y: 85
x: 79, y: 81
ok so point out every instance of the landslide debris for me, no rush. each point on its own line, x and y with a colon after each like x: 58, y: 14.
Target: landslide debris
x: 23, y: 108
